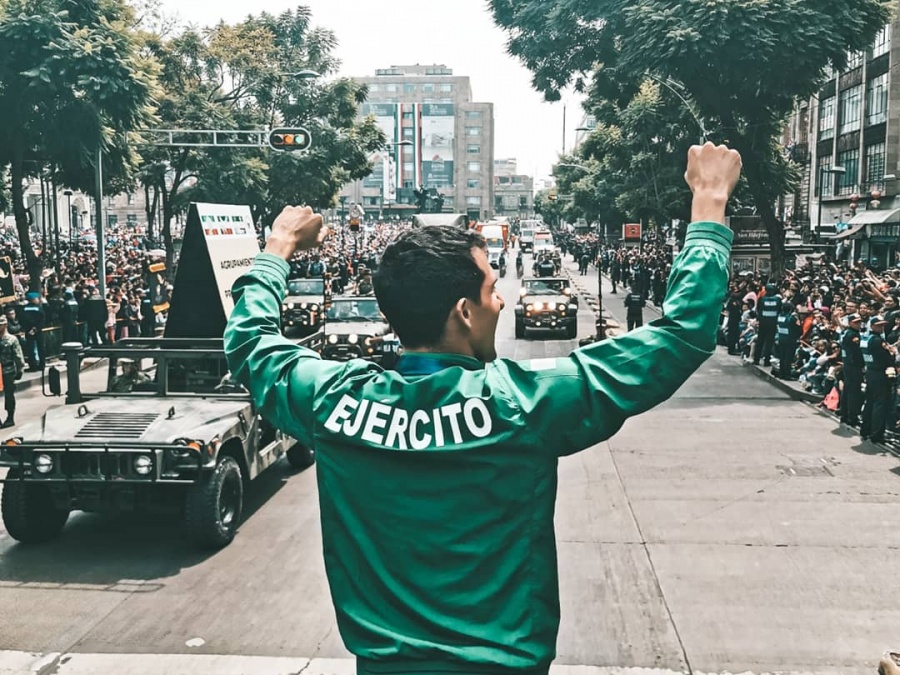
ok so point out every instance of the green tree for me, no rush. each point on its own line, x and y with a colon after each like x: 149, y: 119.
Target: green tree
x: 741, y: 64
x: 71, y: 83
x: 243, y: 76
x: 551, y: 211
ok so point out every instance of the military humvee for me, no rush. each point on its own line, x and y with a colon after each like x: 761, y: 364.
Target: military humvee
x: 181, y: 436
x: 356, y: 329
x: 549, y: 304
x: 303, y: 310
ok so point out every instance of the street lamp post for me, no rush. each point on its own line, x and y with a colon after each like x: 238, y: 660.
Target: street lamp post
x: 822, y: 171
x: 68, y: 194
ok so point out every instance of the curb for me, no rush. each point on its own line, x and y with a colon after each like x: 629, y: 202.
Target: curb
x: 794, y: 392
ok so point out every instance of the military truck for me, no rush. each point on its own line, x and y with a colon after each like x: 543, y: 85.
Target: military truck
x: 175, y: 434
x: 355, y: 328
x: 303, y: 309
x: 548, y: 304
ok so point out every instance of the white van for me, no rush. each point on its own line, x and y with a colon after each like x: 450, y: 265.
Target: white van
x: 493, y: 237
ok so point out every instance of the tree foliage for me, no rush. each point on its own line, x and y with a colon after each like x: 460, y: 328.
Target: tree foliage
x: 742, y: 63
x: 72, y: 82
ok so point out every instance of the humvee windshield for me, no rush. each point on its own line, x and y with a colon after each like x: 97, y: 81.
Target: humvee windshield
x: 362, y: 309
x: 201, y: 374
x: 306, y: 287
x: 546, y: 286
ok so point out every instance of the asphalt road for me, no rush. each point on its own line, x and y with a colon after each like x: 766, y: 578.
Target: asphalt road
x: 731, y: 529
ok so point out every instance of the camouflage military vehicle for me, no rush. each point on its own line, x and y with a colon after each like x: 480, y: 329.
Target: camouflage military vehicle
x: 303, y: 309
x: 181, y: 437
x: 356, y: 329
x: 549, y: 304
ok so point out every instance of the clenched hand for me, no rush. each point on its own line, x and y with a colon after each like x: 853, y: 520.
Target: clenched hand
x: 297, y: 228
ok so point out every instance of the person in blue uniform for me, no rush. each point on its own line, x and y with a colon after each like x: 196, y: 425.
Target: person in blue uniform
x: 634, y: 306
x: 788, y: 337
x: 853, y: 369
x: 768, y: 312
x: 881, y: 378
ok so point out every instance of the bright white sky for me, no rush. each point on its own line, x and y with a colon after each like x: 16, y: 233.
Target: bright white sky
x: 458, y: 33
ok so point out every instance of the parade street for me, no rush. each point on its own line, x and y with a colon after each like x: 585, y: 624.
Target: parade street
x: 730, y: 530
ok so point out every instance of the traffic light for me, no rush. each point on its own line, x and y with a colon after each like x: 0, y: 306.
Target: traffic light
x: 553, y: 196
x: 290, y: 140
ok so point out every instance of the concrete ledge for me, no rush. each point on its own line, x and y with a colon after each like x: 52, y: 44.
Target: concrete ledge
x: 790, y: 387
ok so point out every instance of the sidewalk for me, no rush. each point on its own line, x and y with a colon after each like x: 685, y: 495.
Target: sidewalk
x: 32, y: 379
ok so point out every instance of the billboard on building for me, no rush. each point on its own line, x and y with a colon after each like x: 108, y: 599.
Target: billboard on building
x: 386, y: 117
x: 438, y: 131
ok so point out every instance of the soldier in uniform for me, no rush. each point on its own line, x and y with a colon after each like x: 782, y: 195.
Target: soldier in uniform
x: 69, y: 316
x: 788, y: 336
x: 33, y: 325
x: 881, y: 377
x: 615, y: 273
x: 455, y: 436
x: 13, y: 365
x: 768, y: 312
x: 634, y: 304
x: 130, y: 376
x: 853, y: 369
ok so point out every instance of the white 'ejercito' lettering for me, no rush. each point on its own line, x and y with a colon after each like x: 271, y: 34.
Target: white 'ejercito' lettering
x: 381, y: 424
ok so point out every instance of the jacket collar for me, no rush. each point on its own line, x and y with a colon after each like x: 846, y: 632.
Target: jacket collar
x: 421, y: 363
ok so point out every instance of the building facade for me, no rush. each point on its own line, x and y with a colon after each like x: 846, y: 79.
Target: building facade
x: 847, y: 141
x: 439, y: 138
x: 513, y: 192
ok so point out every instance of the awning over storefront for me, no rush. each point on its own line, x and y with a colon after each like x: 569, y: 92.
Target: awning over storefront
x: 854, y: 229
x: 876, y: 217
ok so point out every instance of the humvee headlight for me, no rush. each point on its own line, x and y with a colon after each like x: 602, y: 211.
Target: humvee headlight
x: 314, y: 308
x: 561, y: 307
x: 529, y: 308
x: 43, y: 464
x: 291, y: 305
x: 353, y: 339
x: 143, y: 464
x: 567, y: 291
x: 303, y: 305
x: 332, y: 339
x: 523, y: 292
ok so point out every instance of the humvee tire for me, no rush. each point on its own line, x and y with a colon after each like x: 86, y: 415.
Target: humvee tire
x: 29, y: 513
x: 213, y: 506
x: 520, y: 329
x: 571, y: 331
x: 300, y: 457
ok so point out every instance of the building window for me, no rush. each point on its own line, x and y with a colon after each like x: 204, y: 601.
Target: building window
x: 473, y: 201
x: 374, y: 88
x: 473, y: 131
x: 850, y: 104
x: 371, y: 201
x: 408, y: 185
x: 473, y: 183
x: 407, y: 151
x: 473, y: 149
x: 428, y: 88
x: 408, y: 175
x: 882, y: 42
x: 131, y: 218
x: 855, y: 59
x: 877, y: 100
x: 848, y: 181
x: 523, y: 202
x: 473, y: 115
x: 826, y: 118
x: 112, y: 219
x: 826, y: 189
x: 875, y: 163
x: 408, y: 132
x: 407, y: 116
x: 130, y: 199
x: 446, y: 87
x: 390, y: 88
x: 474, y: 167
x: 409, y: 88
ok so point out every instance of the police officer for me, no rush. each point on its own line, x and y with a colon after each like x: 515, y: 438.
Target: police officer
x: 148, y: 316
x: 852, y: 370
x: 615, y: 271
x: 69, y: 316
x: 881, y: 378
x: 545, y: 267
x: 453, y: 435
x: 33, y: 325
x: 768, y: 313
x: 788, y: 328
x: 12, y: 364
x: 634, y: 304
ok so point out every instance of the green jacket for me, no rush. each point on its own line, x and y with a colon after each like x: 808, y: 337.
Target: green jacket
x: 437, y: 481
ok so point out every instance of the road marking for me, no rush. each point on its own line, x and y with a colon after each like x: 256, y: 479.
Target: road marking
x: 24, y: 663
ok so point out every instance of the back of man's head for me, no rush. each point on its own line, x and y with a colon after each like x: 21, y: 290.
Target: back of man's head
x: 422, y: 275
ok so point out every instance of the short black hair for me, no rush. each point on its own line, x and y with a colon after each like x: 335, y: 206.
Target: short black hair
x: 420, y: 278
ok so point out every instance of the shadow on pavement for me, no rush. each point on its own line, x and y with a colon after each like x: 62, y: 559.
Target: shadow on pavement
x: 121, y: 552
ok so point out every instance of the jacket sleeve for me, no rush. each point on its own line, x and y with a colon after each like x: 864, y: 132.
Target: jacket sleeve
x: 576, y: 402
x: 282, y: 377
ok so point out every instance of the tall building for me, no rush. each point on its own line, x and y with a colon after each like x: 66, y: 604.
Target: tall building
x: 847, y: 139
x: 513, y: 192
x: 439, y: 136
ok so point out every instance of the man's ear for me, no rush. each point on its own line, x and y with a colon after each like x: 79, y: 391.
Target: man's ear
x: 463, y: 312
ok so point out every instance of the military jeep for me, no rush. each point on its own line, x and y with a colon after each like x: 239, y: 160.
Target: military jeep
x: 548, y: 304
x: 172, y: 433
x: 355, y: 328
x: 303, y: 309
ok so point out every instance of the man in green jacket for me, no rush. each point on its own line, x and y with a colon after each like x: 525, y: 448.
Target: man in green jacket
x: 437, y: 481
